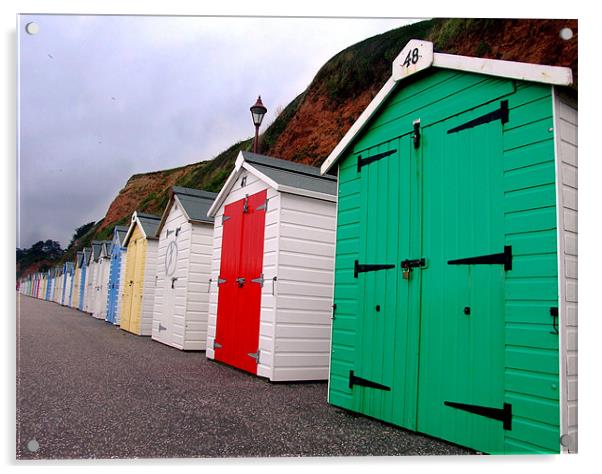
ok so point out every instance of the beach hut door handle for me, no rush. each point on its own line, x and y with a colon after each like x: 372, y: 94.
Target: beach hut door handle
x: 503, y: 258
x: 240, y: 281
x: 554, y: 314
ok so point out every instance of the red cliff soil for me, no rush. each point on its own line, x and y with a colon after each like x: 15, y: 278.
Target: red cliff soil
x: 137, y: 189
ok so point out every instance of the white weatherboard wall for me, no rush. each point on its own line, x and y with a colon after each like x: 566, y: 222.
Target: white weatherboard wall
x: 101, y: 287
x: 149, y: 286
x: 295, y: 317
x: 565, y: 123
x: 68, y: 288
x: 180, y: 313
x: 90, y: 286
x: 305, y: 269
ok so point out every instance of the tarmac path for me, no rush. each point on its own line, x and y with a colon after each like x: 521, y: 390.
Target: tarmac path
x: 87, y: 389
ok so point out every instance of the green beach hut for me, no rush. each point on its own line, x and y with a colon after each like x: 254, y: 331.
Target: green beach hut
x: 455, y: 300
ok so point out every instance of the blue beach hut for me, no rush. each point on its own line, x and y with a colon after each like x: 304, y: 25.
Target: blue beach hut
x: 116, y: 271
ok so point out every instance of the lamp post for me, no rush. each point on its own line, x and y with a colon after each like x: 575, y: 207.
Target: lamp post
x: 257, y: 112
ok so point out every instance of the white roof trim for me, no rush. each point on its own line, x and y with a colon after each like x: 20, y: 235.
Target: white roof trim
x: 223, y: 193
x: 308, y: 193
x: 359, y: 124
x: 553, y: 75
x: 133, y: 224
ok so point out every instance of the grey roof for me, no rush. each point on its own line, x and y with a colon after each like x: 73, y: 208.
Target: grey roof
x: 121, y: 232
x: 96, y: 247
x: 288, y: 173
x: 150, y: 224
x: 196, y: 202
x: 87, y: 254
x: 78, y: 258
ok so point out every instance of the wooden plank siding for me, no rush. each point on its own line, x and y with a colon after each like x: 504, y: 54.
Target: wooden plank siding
x: 306, y: 232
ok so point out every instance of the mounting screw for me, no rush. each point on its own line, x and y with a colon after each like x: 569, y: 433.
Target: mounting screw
x: 467, y: 310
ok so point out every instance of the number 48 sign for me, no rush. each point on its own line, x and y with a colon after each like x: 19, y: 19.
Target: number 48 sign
x: 416, y: 56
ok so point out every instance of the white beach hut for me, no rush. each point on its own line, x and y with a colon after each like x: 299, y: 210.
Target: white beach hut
x: 272, y: 270
x: 183, y: 270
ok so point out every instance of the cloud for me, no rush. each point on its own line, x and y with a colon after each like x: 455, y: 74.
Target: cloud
x: 104, y: 97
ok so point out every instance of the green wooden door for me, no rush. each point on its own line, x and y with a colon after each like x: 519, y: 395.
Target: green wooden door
x: 430, y: 346
x: 461, y: 381
x: 384, y: 375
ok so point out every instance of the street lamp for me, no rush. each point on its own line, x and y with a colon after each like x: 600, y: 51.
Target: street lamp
x: 257, y: 112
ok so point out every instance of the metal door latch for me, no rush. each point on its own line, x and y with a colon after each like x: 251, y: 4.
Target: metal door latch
x: 173, y: 280
x: 407, y: 266
x: 245, y: 207
x: 240, y: 281
x: 554, y: 314
x: 416, y: 135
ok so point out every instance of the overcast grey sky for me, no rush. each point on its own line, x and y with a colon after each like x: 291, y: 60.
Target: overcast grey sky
x: 104, y: 97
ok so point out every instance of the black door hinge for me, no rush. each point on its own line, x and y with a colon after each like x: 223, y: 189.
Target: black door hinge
x: 503, y: 258
x: 503, y: 114
x: 368, y: 267
x: 366, y: 161
x: 501, y: 414
x: 355, y: 380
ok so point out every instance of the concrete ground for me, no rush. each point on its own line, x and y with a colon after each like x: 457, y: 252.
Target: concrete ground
x: 86, y: 389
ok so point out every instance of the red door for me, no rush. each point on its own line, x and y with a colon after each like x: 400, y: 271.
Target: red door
x: 239, y: 298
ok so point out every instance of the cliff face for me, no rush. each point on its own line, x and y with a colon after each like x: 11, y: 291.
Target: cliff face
x: 312, y: 124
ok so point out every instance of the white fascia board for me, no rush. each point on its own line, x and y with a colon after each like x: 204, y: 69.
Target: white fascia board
x: 223, y: 193
x: 269, y: 181
x: 133, y: 224
x: 358, y: 125
x: 308, y: 193
x: 555, y: 75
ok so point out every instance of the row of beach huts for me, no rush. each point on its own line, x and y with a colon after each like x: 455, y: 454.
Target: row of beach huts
x: 432, y: 282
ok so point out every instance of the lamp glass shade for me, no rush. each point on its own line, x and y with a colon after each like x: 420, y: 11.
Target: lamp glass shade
x: 258, y: 111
